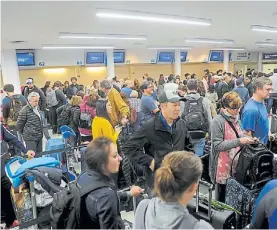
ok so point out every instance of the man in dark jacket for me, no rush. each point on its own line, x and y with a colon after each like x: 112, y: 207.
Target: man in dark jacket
x: 29, y: 123
x: 248, y: 84
x: 33, y: 88
x: 229, y: 81
x: 160, y: 135
x: 221, y: 86
x: 60, y: 100
x: 73, y: 89
x: 6, y: 204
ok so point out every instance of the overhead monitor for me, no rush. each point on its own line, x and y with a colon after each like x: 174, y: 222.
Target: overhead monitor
x: 25, y: 59
x: 95, y: 58
x: 165, y: 57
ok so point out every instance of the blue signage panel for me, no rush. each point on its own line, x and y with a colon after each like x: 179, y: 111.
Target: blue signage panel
x: 25, y: 59
x: 95, y: 58
x: 216, y: 55
x: 184, y: 56
x: 269, y: 56
x: 165, y: 57
x: 119, y: 57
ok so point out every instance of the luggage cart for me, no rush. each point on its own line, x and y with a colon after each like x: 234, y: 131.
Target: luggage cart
x: 72, y: 156
x: 23, y: 192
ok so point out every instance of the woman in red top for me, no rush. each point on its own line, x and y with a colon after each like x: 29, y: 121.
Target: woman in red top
x: 88, y: 106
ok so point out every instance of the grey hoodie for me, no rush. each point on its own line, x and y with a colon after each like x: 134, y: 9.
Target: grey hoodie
x: 206, y: 106
x: 157, y: 214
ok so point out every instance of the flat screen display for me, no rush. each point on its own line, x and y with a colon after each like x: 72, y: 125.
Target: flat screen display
x: 25, y: 59
x: 95, y: 58
x: 269, y: 56
x: 216, y: 55
x: 119, y: 57
x: 165, y: 57
x: 184, y: 56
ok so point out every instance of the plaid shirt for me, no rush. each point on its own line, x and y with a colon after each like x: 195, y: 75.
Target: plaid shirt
x: 135, y: 103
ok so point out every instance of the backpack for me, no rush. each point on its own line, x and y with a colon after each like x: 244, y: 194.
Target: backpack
x: 51, y: 98
x: 65, y: 212
x: 133, y: 115
x: 85, y: 119
x: 194, y: 115
x: 15, y: 107
x: 255, y: 164
x: 64, y: 117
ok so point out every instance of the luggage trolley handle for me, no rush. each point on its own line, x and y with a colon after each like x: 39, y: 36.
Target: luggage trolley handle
x: 210, y: 187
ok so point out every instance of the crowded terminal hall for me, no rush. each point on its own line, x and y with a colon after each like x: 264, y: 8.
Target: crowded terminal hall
x: 138, y: 115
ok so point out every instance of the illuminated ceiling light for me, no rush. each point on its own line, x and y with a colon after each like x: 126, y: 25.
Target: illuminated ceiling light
x: 102, y: 36
x: 75, y: 47
x: 169, y: 48
x: 151, y: 17
x: 233, y: 48
x: 268, y: 29
x: 266, y: 44
x: 212, y: 41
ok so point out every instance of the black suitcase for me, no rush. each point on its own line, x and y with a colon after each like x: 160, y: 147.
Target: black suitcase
x: 219, y: 219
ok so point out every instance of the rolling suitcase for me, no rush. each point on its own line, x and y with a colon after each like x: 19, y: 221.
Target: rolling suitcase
x: 242, y: 199
x: 218, y: 218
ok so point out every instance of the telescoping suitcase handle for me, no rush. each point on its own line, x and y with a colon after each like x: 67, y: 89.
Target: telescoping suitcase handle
x: 210, y: 187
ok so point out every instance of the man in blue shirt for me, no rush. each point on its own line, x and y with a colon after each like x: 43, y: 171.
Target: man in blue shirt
x: 128, y: 88
x: 149, y: 105
x: 255, y: 117
x: 265, y: 209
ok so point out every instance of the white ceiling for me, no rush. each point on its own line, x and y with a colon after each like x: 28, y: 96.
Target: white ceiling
x: 40, y: 22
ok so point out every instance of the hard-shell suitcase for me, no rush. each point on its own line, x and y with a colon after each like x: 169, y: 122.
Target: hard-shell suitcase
x: 219, y: 219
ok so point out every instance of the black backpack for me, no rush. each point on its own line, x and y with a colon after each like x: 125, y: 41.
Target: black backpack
x: 255, y: 164
x: 194, y: 115
x: 64, y: 117
x: 65, y: 212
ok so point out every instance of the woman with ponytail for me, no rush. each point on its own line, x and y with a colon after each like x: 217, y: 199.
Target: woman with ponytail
x: 176, y: 181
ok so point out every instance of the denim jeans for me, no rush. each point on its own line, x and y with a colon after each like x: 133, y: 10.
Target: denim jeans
x: 199, y: 147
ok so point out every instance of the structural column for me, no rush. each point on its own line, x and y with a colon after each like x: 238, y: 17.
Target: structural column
x: 177, y: 66
x: 226, y: 60
x: 10, y: 70
x: 110, y: 64
x: 260, y: 64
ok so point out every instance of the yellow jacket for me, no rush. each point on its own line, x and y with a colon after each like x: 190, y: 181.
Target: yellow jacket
x: 119, y: 107
x: 101, y: 127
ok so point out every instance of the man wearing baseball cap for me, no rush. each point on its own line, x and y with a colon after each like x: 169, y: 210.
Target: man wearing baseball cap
x: 33, y: 88
x: 160, y: 135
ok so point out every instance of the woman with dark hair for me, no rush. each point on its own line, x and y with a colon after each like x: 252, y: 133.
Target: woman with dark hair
x: 100, y: 208
x: 46, y: 86
x: 88, y: 107
x: 101, y: 125
x: 66, y: 85
x: 176, y: 182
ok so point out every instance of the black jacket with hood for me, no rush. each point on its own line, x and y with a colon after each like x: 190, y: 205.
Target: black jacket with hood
x: 158, y: 138
x: 100, y: 208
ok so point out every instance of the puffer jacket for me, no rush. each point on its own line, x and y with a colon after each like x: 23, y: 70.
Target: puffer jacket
x: 29, y: 124
x: 75, y: 113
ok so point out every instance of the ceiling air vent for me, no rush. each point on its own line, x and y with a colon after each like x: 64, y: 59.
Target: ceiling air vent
x: 17, y: 42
